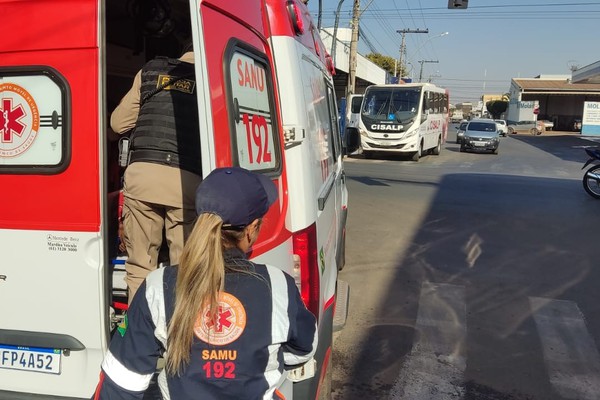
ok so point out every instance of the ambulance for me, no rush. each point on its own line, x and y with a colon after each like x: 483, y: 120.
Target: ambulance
x: 266, y: 103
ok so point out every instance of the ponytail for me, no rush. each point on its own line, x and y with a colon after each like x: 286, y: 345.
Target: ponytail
x: 200, y: 277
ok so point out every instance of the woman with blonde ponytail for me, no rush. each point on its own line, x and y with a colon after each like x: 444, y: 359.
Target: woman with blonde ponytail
x: 226, y: 326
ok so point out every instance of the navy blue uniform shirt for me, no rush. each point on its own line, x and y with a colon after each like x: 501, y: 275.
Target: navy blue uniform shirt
x: 261, y: 326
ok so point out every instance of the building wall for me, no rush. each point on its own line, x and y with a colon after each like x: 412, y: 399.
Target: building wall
x: 561, y: 109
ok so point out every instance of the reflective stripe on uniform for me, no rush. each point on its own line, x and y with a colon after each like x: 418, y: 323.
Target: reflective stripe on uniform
x: 280, y: 324
x: 125, y: 378
x: 155, y: 297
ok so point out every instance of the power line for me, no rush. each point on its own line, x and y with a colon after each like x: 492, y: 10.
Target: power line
x: 472, y: 7
x: 366, y: 39
x: 473, y: 80
x: 385, y: 24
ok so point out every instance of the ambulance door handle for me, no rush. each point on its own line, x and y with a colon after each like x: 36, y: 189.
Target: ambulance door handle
x: 324, y: 193
x: 236, y: 110
x: 293, y: 136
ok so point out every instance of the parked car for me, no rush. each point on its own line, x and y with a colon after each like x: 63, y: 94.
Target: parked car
x: 533, y: 128
x: 460, y: 131
x: 502, y: 127
x: 481, y: 135
x: 546, y: 124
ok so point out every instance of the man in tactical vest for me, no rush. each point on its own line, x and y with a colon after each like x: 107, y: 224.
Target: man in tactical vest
x: 164, y: 168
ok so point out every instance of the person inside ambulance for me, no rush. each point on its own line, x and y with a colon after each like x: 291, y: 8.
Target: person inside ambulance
x: 225, y: 326
x: 160, y: 112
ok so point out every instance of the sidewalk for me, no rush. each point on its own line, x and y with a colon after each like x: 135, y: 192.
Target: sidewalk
x: 550, y: 133
x: 591, y: 138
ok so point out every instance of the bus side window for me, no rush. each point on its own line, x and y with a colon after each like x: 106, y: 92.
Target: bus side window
x: 425, y: 103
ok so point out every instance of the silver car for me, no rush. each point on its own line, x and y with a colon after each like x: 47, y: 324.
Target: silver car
x: 481, y: 135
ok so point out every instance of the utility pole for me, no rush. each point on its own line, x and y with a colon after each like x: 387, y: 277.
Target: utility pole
x: 423, y: 62
x: 320, y: 16
x: 353, y: 49
x: 403, y: 45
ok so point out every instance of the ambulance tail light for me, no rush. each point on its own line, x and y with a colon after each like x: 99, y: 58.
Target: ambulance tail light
x: 306, y: 267
x: 330, y: 66
x: 296, y: 17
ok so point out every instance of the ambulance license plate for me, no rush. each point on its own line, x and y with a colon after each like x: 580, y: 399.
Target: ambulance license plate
x: 35, y: 359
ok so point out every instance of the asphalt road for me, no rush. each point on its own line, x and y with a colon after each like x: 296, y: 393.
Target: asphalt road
x: 473, y: 276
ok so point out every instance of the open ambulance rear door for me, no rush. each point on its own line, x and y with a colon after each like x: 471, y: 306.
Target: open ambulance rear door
x: 53, y: 327
x: 239, y: 121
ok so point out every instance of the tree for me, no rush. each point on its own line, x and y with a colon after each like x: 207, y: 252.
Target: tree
x: 386, y: 62
x: 496, y: 107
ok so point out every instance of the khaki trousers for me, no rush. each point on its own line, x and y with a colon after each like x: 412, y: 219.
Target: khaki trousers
x: 143, y: 223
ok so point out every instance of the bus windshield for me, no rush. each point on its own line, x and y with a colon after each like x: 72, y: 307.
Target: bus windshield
x: 395, y: 104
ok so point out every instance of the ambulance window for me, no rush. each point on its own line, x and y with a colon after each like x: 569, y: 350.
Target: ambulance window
x: 255, y: 141
x: 321, y: 121
x: 333, y: 115
x: 35, y: 134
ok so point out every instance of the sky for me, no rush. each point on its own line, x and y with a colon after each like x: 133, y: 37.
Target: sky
x: 487, y: 45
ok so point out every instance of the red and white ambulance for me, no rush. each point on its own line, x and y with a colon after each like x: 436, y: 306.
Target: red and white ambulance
x: 266, y: 103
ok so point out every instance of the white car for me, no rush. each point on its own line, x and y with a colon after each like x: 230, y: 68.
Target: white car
x: 548, y: 125
x: 502, y: 127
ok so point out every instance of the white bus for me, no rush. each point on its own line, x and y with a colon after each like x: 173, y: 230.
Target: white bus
x: 409, y: 118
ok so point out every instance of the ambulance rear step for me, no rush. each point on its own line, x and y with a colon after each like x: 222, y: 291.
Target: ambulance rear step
x: 341, y: 305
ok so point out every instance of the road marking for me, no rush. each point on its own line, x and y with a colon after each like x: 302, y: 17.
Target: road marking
x: 571, y: 357
x: 472, y: 249
x: 434, y: 369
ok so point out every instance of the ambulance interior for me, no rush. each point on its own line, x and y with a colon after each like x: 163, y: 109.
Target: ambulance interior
x: 136, y: 31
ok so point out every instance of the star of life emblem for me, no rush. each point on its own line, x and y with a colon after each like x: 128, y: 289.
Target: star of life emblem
x: 19, y: 120
x: 226, y: 326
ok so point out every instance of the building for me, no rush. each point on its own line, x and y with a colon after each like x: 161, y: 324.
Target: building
x: 560, y: 98
x: 466, y: 109
x: 367, y: 72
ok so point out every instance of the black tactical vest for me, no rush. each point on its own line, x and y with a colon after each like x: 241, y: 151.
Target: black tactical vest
x: 167, y: 128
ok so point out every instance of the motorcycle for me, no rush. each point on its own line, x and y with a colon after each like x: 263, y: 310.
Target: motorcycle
x: 591, y: 178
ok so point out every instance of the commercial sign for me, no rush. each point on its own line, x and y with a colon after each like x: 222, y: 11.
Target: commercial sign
x: 590, y: 124
x: 522, y: 111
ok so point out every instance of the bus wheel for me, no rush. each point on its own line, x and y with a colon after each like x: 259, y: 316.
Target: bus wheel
x: 417, y: 154
x: 438, y: 149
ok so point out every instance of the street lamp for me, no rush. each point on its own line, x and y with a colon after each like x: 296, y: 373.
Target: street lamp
x: 428, y: 40
x: 335, y: 28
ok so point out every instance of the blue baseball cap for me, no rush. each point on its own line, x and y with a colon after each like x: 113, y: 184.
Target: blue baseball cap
x: 235, y: 194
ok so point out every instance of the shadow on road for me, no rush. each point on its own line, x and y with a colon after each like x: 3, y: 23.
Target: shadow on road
x: 534, y: 237
x: 559, y: 145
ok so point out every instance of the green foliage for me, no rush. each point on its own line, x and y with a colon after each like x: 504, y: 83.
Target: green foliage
x: 496, y: 107
x: 386, y: 62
